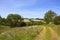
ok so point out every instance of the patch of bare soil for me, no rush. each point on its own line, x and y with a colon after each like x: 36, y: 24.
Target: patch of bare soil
x: 41, y: 35
x: 54, y: 35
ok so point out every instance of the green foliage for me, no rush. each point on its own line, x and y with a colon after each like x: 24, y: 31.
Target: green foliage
x: 57, y: 20
x: 49, y: 16
x: 34, y: 23
x: 22, y: 24
x: 3, y: 21
x: 0, y: 20
x: 14, y: 19
x: 38, y: 23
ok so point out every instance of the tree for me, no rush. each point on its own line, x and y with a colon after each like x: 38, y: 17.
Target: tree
x: 14, y: 19
x: 4, y: 21
x: 0, y: 20
x: 57, y: 20
x: 49, y: 16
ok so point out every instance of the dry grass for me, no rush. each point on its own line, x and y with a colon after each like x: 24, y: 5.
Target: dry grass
x: 21, y: 33
x: 46, y: 32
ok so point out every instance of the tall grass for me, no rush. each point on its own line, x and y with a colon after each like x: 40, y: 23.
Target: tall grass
x: 21, y: 33
x: 4, y: 28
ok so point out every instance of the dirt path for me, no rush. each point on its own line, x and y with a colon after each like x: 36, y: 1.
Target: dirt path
x: 54, y: 35
x: 41, y: 35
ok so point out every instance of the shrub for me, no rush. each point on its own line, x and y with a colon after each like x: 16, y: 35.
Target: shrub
x: 57, y: 20
x: 22, y: 24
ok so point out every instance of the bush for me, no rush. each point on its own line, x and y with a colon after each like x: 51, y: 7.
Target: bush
x: 22, y: 24
x: 57, y: 20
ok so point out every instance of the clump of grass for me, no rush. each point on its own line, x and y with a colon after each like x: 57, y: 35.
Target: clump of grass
x: 47, y: 34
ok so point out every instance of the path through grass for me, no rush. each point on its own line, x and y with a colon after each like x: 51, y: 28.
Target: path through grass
x: 48, y: 34
x: 30, y: 33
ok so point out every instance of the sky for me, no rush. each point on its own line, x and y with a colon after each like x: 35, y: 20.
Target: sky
x: 29, y: 8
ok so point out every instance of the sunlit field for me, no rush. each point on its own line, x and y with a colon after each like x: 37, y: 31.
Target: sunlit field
x: 43, y: 32
x: 21, y: 33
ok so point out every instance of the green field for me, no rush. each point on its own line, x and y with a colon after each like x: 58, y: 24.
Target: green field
x: 43, y: 32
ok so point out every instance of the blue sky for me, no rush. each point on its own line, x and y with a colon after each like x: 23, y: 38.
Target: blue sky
x: 29, y: 8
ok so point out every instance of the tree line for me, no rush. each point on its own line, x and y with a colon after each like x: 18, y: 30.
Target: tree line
x: 17, y: 20
x: 12, y: 20
x: 51, y: 17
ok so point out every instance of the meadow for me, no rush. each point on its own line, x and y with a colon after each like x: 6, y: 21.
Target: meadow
x: 20, y: 33
x: 37, y: 32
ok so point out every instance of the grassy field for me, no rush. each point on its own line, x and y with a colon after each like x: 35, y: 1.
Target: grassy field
x: 21, y: 33
x: 4, y: 28
x: 57, y: 29
x: 31, y: 32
